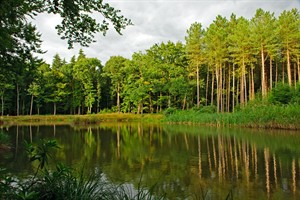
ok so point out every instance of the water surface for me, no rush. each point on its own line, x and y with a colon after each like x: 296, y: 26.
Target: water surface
x: 185, y: 162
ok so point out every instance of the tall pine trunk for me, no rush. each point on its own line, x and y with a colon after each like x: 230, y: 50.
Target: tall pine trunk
x: 298, y: 63
x: 233, y: 87
x: 276, y: 72
x: 221, y: 89
x: 263, y: 77
x: 218, y: 86
x: 288, y: 66
x: 245, y: 85
x: 212, y: 89
x: 206, y: 89
x: 252, y: 84
x: 271, y: 73
x: 198, y: 88
x: 228, y: 90
x: 283, y: 75
x: 242, y: 82
x: 295, y: 75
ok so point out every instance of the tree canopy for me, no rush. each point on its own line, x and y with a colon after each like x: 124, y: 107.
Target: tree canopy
x: 226, y: 65
x: 19, y: 38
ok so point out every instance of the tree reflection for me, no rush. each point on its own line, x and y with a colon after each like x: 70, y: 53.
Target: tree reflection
x: 181, y: 161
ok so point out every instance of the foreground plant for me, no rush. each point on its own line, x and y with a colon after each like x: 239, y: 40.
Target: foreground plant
x: 63, y: 182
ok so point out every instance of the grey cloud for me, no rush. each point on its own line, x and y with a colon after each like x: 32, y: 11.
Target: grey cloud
x: 155, y: 21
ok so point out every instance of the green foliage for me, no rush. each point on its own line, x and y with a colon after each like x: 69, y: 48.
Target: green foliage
x: 281, y: 94
x: 227, y: 63
x: 205, y: 109
x: 169, y: 111
x: 41, y: 152
x: 296, y: 95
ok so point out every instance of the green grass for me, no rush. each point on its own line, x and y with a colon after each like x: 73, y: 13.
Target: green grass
x: 253, y: 115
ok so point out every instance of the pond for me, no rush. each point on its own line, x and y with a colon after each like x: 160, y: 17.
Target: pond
x: 181, y: 161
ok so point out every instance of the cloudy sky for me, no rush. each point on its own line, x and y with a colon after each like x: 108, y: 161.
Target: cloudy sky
x: 155, y: 21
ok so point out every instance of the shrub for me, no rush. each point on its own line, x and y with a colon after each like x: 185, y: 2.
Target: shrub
x: 169, y: 111
x: 281, y: 93
x: 208, y: 109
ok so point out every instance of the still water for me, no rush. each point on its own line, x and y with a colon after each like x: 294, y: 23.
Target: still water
x: 183, y: 162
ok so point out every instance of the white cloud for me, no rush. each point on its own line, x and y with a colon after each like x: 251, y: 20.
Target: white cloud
x: 154, y: 21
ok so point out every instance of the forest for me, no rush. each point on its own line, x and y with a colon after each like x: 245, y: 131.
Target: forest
x: 225, y: 65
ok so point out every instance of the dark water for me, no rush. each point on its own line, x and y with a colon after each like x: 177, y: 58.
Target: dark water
x: 184, y: 162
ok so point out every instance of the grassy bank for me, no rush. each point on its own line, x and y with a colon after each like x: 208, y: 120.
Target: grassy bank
x: 253, y: 115
x: 78, y: 119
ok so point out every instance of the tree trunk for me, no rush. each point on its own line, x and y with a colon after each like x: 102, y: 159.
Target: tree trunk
x: 118, y: 98
x: 298, y: 62
x: 218, y: 86
x: 2, y: 105
x: 276, y: 72
x: 295, y: 75
x: 223, y: 92
x: 263, y: 78
x: 160, y: 102
x: 23, y: 107
x: 198, y: 88
x: 184, y: 102
x: 283, y: 75
x: 233, y: 88
x: 252, y: 85
x: 212, y: 89
x: 150, y: 104
x: 245, y: 85
x: 221, y: 89
x: 271, y: 73
x: 18, y: 100
x: 54, y: 108
x: 206, y: 89
x: 289, y: 73
x: 242, y: 93
x: 31, y: 105
x: 242, y: 87
x: 238, y: 93
x: 228, y: 90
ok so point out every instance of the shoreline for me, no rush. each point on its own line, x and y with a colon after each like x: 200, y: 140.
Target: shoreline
x: 93, y: 119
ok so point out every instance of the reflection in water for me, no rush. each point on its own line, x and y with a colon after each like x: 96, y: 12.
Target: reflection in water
x: 294, y: 175
x: 266, y: 156
x: 182, y: 161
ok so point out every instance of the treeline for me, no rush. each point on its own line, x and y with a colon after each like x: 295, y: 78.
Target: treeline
x: 227, y: 64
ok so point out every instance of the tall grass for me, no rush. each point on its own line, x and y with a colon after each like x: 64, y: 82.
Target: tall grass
x: 263, y: 115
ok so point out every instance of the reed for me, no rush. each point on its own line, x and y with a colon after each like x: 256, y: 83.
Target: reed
x: 262, y: 115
